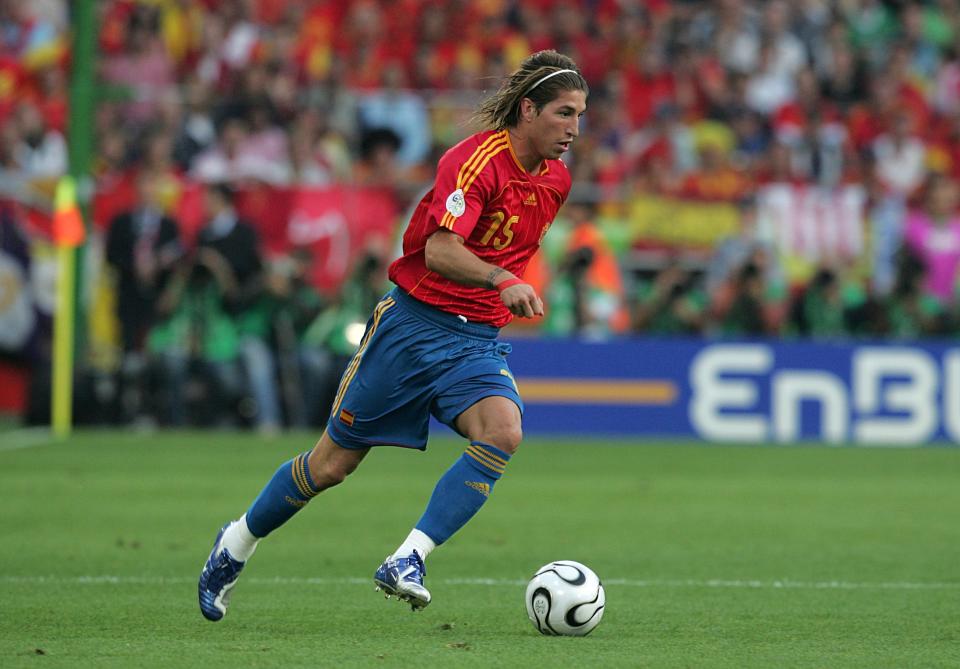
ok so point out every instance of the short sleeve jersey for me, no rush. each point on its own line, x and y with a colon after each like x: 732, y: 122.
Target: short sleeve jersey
x: 483, y: 194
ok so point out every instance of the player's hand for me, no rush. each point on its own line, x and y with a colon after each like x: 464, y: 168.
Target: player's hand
x: 522, y: 300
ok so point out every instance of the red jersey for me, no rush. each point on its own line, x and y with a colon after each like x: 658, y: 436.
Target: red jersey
x: 483, y: 194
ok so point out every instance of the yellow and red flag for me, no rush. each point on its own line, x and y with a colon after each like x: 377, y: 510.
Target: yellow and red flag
x: 68, y: 227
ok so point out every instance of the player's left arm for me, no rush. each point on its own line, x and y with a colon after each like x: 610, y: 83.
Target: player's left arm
x: 446, y: 255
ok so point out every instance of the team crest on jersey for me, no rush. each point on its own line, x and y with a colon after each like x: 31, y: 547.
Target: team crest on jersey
x: 456, y: 205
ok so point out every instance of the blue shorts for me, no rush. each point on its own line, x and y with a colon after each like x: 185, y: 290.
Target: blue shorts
x: 415, y: 361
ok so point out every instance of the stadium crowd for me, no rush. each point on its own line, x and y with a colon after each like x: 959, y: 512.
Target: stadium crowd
x: 713, y: 104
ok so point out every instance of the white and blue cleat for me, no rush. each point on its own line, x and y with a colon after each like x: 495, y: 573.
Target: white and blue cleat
x: 402, y: 577
x: 217, y: 579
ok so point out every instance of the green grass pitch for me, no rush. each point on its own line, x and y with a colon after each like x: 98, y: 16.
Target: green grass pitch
x: 712, y: 556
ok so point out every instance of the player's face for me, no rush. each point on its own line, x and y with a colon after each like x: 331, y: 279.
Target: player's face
x: 558, y: 124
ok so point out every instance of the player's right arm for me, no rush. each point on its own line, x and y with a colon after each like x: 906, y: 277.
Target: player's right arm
x: 446, y: 255
x: 465, y: 182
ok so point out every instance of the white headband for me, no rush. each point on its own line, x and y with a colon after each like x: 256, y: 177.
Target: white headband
x: 552, y: 74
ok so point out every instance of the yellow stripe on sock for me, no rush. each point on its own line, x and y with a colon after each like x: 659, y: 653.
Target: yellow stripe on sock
x: 295, y: 473
x: 489, y: 464
x: 490, y: 454
x: 305, y: 471
x: 303, y: 485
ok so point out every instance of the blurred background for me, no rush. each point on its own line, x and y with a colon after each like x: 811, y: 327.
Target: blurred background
x: 770, y: 174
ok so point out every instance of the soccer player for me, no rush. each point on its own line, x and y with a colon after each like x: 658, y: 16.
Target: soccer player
x: 431, y: 345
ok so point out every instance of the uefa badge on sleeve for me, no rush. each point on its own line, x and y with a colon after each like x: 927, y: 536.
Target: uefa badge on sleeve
x: 456, y: 205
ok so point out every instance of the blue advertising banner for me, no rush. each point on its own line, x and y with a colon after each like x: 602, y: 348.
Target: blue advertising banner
x: 781, y: 392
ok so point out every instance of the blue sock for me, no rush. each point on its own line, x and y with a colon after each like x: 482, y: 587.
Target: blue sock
x: 462, y: 490
x: 287, y: 492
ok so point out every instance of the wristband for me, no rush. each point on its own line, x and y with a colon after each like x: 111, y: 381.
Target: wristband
x: 506, y: 283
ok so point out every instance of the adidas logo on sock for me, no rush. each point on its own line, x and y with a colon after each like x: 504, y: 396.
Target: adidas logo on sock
x: 483, y: 488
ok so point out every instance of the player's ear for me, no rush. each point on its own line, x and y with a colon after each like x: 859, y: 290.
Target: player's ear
x: 528, y: 109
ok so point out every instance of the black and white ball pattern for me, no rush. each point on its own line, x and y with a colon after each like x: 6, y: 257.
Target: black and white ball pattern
x: 565, y: 598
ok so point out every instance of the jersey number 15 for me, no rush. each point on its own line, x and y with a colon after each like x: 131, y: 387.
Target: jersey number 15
x: 498, y: 233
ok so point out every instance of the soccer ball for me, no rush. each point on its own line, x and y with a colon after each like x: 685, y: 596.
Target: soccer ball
x: 565, y: 598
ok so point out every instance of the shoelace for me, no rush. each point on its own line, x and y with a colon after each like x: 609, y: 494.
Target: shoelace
x: 221, y: 571
x: 421, y: 571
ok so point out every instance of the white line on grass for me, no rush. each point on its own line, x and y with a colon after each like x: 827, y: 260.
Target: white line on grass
x: 26, y: 437
x: 493, y: 582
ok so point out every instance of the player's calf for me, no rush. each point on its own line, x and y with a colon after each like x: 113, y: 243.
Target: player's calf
x: 457, y: 497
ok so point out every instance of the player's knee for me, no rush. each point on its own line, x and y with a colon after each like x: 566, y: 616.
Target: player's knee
x: 328, y: 474
x: 507, y: 438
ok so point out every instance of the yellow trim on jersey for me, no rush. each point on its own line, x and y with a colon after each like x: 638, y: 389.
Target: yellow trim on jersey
x: 355, y: 363
x: 467, y: 176
x: 447, y: 216
x: 472, y: 167
x: 414, y: 289
x: 474, y: 157
x: 513, y: 154
x: 475, y: 172
x: 544, y: 165
x: 473, y: 177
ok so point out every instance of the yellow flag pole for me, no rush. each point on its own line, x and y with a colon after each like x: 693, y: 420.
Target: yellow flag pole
x: 68, y: 233
x: 62, y: 410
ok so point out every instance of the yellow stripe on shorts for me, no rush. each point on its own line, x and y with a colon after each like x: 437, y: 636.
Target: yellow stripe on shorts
x: 348, y: 375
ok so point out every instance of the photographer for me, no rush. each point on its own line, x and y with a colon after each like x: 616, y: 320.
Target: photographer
x: 142, y: 247
x: 912, y: 310
x: 195, y: 334
x: 745, y: 315
x: 672, y: 303
x: 295, y: 304
x: 586, y: 295
x: 241, y: 279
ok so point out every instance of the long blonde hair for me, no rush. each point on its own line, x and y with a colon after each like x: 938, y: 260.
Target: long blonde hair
x: 502, y: 109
